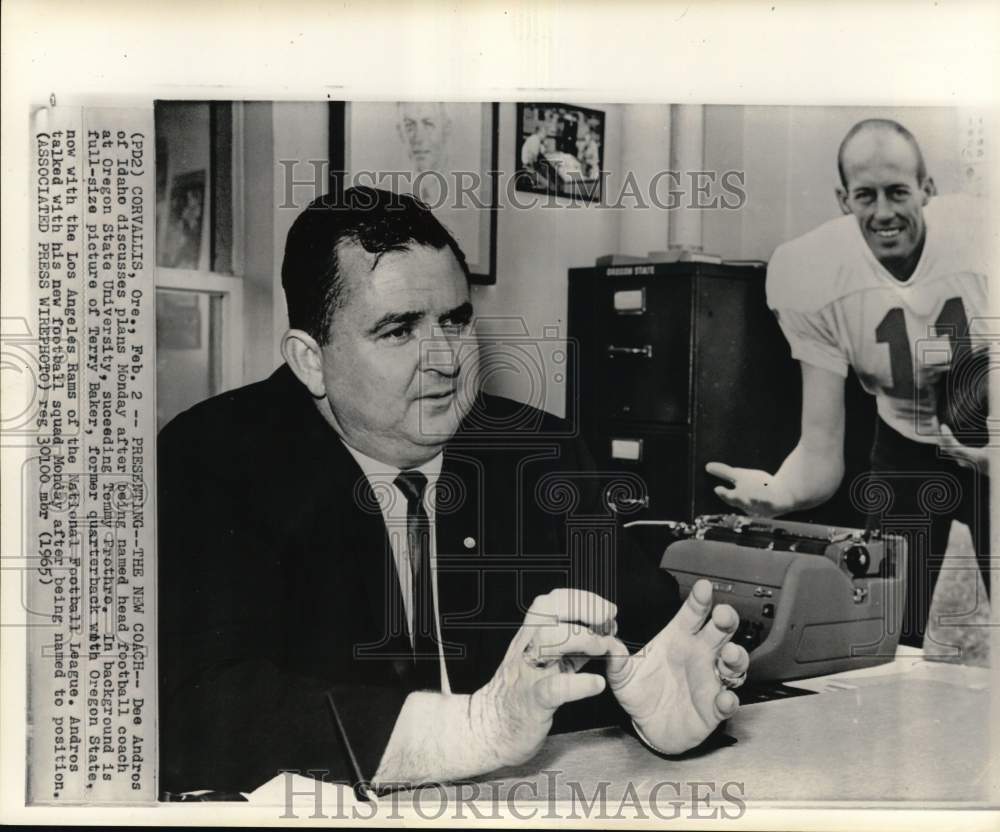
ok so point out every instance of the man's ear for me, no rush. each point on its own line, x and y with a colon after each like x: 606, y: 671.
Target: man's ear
x: 842, y: 200
x: 929, y: 188
x: 305, y: 358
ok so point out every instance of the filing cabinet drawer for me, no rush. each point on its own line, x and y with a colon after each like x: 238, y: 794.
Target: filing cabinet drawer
x: 642, y: 329
x: 660, y: 460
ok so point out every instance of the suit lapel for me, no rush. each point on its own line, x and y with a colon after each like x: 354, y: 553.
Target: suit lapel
x: 367, y: 549
x: 334, y: 506
x: 462, y: 580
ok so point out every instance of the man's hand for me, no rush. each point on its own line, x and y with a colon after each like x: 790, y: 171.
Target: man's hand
x: 670, y: 688
x: 812, y: 472
x: 752, y: 491
x: 978, y: 458
x: 512, y: 714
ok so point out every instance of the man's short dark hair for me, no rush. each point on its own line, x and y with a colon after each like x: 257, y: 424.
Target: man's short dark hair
x: 876, y: 125
x: 378, y: 221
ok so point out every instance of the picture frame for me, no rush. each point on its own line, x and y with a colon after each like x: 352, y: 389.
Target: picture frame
x: 560, y: 150
x: 181, y: 245
x: 443, y: 152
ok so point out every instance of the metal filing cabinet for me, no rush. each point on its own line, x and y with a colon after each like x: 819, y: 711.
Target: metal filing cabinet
x: 680, y: 364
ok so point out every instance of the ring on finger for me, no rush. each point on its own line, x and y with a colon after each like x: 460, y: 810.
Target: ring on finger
x: 727, y: 681
x: 533, y: 657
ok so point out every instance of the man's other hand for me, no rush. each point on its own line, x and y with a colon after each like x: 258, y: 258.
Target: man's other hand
x: 978, y: 458
x: 670, y: 688
x: 512, y: 714
x: 752, y: 491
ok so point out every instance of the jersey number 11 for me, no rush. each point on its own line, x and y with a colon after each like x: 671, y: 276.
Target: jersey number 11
x: 951, y: 323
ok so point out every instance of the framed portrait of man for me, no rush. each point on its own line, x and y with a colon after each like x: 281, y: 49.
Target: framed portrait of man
x: 441, y: 152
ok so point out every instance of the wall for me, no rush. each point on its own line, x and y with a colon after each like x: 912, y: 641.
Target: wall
x: 259, y: 333
x: 295, y: 131
x: 301, y: 134
x: 645, y: 152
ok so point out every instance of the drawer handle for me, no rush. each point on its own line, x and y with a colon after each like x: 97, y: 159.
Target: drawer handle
x: 627, y: 504
x: 643, y: 352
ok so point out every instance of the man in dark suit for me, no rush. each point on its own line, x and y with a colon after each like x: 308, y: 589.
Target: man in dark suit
x: 372, y: 572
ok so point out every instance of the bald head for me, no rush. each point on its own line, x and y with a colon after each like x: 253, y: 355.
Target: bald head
x: 878, y: 136
x: 886, y: 187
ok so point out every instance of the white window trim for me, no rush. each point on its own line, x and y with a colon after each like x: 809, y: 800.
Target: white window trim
x: 230, y: 288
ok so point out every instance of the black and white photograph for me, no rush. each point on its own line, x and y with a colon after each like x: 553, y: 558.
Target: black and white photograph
x: 441, y: 152
x: 403, y: 448
x: 773, y: 491
x: 560, y: 150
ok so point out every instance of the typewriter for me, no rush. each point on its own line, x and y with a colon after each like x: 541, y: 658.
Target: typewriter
x: 812, y: 599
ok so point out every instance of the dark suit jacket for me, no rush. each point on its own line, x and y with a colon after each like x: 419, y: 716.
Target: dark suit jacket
x: 277, y: 583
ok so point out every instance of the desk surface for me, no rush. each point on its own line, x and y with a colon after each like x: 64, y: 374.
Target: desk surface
x: 908, y: 731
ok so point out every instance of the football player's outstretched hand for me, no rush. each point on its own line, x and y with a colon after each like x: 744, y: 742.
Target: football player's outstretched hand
x: 752, y: 491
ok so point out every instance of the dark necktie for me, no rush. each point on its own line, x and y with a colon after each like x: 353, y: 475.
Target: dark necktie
x: 418, y: 538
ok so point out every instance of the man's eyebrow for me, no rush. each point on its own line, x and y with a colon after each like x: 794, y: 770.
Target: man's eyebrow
x: 459, y: 313
x: 395, y: 318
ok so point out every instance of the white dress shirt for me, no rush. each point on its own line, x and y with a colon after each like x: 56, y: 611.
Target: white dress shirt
x: 392, y: 502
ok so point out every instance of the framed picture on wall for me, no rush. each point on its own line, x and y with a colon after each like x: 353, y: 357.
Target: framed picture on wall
x: 181, y: 246
x: 560, y: 150
x: 441, y: 152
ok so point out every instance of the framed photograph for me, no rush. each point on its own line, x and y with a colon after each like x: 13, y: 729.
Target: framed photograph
x: 441, y: 152
x: 560, y: 150
x: 181, y: 248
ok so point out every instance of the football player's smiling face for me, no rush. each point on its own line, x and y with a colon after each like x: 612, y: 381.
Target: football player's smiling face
x: 884, y: 193
x: 400, y: 365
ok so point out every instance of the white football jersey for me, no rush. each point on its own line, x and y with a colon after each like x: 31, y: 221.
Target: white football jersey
x: 839, y: 307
